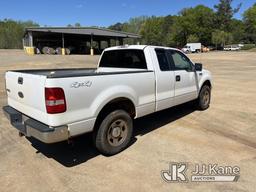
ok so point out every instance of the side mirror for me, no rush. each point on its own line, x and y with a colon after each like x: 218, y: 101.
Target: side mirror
x: 198, y: 67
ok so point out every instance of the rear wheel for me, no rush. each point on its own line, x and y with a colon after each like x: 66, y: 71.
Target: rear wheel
x: 204, y: 98
x: 114, y: 133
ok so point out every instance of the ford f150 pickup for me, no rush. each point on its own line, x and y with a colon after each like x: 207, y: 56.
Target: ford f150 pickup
x: 130, y: 82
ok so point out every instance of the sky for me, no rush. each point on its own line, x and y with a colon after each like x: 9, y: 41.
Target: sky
x: 98, y: 12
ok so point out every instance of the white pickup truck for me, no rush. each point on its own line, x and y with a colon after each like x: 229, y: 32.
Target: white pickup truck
x: 129, y: 82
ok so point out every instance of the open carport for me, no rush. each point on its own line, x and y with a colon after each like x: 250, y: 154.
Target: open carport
x: 78, y: 40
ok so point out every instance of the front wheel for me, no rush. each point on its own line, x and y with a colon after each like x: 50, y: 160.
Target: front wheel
x: 204, y: 98
x: 114, y: 133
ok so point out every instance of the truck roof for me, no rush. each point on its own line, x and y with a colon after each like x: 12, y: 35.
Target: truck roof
x: 140, y: 47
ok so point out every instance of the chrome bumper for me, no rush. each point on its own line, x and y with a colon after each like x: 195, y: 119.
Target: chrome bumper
x: 32, y: 128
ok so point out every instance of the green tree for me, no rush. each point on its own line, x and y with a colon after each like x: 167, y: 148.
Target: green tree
x: 224, y: 14
x: 11, y: 33
x: 134, y: 25
x: 249, y: 19
x: 192, y: 39
x: 221, y: 38
x: 197, y: 21
x: 237, y: 31
x: 117, y: 27
x: 152, y: 31
x: 167, y: 30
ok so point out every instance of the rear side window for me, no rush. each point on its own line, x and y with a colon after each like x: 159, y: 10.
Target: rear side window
x: 162, y: 60
x: 128, y: 58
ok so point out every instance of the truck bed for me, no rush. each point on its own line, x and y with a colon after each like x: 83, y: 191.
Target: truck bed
x: 54, y: 73
x: 26, y: 92
x: 75, y: 72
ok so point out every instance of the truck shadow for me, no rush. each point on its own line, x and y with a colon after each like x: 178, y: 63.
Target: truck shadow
x: 82, y: 148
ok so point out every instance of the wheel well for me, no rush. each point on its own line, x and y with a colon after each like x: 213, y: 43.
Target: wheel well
x: 207, y: 82
x: 119, y: 103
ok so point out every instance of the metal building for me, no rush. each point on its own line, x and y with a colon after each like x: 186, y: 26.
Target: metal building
x: 78, y: 40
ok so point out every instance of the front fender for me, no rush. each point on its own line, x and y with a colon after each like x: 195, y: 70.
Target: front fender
x: 206, y: 76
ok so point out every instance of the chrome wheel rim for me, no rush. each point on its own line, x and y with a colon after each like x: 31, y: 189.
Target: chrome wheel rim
x: 117, y: 133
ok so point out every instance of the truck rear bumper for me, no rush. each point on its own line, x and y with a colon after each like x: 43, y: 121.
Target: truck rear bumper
x: 32, y: 128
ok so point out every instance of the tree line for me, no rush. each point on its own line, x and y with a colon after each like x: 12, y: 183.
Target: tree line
x: 216, y: 27
x: 11, y: 33
x: 210, y: 26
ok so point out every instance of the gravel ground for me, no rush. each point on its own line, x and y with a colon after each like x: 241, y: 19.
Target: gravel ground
x: 225, y: 134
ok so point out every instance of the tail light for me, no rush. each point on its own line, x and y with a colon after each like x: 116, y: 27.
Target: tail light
x: 55, y: 100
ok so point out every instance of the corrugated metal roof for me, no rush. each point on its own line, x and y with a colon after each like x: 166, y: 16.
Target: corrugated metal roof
x: 84, y: 31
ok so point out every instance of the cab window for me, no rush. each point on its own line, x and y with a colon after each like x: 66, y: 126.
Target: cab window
x: 127, y: 58
x: 162, y: 60
x: 180, y: 61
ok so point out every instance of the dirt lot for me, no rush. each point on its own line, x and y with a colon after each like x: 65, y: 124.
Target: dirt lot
x: 225, y: 134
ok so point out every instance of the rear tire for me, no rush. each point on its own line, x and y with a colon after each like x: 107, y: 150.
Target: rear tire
x: 114, y: 133
x: 204, y: 98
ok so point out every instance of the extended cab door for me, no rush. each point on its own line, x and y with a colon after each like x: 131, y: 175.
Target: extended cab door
x: 185, y: 77
x: 165, y: 80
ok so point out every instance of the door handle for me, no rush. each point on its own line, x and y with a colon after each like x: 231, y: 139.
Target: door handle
x: 177, y: 77
x: 20, y: 80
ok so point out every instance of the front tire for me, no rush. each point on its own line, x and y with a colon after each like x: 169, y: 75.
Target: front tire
x: 114, y: 133
x: 204, y: 98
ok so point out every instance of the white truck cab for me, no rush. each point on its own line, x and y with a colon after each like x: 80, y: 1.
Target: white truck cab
x: 129, y: 82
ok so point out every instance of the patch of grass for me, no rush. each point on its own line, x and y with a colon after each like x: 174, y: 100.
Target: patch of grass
x: 248, y: 47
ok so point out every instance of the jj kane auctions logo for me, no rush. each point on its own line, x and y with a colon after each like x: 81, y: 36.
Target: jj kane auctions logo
x: 201, y: 173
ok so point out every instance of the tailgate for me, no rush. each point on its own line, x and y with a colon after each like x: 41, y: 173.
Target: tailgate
x: 25, y: 93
